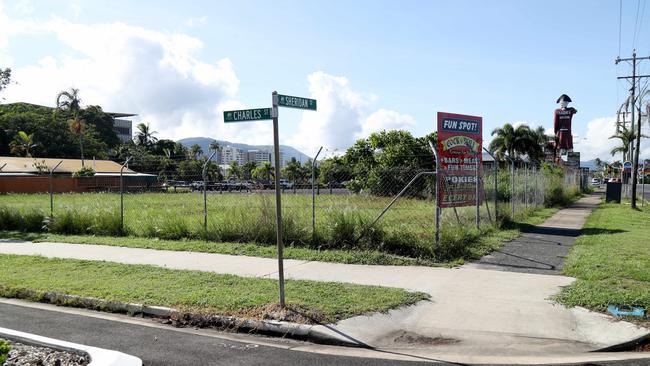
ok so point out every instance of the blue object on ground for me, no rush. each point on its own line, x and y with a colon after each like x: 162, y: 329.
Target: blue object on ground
x: 625, y: 310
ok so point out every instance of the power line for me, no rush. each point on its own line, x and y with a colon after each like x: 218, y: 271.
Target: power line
x: 636, y: 22
x: 620, y: 25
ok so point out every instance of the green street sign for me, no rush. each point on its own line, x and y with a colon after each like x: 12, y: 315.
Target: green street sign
x: 296, y: 102
x: 243, y: 115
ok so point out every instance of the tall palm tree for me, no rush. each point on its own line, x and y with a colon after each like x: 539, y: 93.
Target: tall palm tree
x: 70, y: 101
x: 512, y: 141
x: 195, y: 151
x: 22, y: 144
x: 214, y: 145
x: 145, y: 137
x: 626, y: 137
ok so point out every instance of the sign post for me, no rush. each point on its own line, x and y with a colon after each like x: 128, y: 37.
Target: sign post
x: 261, y: 114
x: 279, y: 100
x: 278, y: 196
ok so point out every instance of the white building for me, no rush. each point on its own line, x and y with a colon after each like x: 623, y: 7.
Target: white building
x: 258, y: 156
x: 230, y: 154
x: 122, y: 127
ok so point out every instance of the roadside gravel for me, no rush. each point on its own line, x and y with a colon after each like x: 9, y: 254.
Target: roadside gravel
x: 25, y: 355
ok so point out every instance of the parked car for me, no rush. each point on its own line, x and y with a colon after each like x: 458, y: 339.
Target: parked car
x: 286, y: 184
x: 595, y: 182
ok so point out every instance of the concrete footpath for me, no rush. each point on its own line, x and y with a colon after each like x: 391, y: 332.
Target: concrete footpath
x: 477, y: 314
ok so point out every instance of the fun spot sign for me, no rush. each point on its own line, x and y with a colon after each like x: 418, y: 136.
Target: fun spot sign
x: 459, y: 147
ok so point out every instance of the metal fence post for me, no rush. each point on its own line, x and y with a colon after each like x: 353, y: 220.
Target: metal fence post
x: 643, y: 186
x: 205, y: 196
x: 438, y: 208
x: 478, y: 200
x: 313, y: 195
x: 526, y: 186
x: 51, y: 190
x: 496, y: 191
x: 122, y: 195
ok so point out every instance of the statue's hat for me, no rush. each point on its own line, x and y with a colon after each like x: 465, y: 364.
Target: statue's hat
x: 563, y: 97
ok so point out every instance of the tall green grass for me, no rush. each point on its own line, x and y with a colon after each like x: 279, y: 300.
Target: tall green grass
x: 342, y: 221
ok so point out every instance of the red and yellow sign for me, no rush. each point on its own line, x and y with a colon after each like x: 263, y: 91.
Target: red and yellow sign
x: 460, y: 140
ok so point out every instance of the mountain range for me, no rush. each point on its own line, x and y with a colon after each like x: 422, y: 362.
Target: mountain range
x: 288, y: 151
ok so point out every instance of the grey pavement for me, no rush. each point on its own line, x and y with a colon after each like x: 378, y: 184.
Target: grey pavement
x: 475, y: 316
x: 542, y: 249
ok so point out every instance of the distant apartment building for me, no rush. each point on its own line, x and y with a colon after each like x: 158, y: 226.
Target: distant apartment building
x: 230, y: 154
x: 283, y: 161
x: 258, y: 156
x: 122, y: 127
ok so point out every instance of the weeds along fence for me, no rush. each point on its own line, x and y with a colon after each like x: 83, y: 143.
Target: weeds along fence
x: 392, y: 210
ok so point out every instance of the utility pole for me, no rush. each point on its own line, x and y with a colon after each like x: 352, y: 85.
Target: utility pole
x: 636, y: 149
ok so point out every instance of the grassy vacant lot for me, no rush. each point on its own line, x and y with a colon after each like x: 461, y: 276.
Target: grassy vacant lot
x: 611, y: 260
x: 191, y: 290
x: 406, y: 230
x: 482, y: 245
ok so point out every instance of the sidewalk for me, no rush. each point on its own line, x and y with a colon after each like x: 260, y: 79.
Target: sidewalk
x: 474, y: 311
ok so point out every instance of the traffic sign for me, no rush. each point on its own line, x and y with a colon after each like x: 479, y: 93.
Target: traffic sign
x: 244, y: 115
x: 627, y: 166
x: 296, y: 102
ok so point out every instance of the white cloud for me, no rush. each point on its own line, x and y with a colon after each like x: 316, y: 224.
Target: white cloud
x: 132, y: 69
x: 343, y: 116
x: 597, y: 144
x: 384, y: 119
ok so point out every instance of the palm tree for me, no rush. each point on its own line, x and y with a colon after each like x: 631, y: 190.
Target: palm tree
x: 512, y: 141
x: 214, y: 145
x: 145, y: 137
x: 263, y: 171
x: 69, y: 101
x: 626, y: 136
x: 195, y: 151
x: 247, y: 169
x: 22, y: 144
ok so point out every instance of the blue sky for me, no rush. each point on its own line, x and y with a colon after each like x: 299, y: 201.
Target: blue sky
x: 375, y: 64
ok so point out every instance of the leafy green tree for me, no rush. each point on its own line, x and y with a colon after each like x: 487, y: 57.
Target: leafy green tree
x: 102, y: 123
x: 293, y: 170
x: 263, y: 171
x: 23, y: 144
x: 385, y: 162
x: 234, y: 171
x: 5, y: 78
x: 70, y: 101
x: 247, y: 170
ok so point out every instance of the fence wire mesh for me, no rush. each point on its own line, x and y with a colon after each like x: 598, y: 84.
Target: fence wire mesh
x: 391, y: 210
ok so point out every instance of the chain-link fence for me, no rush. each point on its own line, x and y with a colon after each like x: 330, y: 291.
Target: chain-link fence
x: 388, y: 209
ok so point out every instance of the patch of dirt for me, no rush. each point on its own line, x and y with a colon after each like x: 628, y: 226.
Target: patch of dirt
x: 236, y: 320
x: 410, y: 338
x: 291, y: 313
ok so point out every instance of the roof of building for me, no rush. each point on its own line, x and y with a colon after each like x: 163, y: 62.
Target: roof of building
x: 27, y: 165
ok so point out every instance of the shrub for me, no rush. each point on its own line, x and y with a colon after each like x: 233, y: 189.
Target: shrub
x: 30, y: 221
x: 4, y: 351
x: 84, y: 172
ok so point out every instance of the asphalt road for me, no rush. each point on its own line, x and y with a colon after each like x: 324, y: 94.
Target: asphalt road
x: 157, y: 346
x: 167, y: 346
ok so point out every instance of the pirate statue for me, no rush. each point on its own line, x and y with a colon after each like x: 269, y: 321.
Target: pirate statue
x: 562, y: 125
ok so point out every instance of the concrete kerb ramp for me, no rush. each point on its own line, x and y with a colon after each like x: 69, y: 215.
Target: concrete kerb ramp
x: 98, y: 356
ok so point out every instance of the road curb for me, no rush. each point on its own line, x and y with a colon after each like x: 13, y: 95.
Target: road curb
x: 320, y: 334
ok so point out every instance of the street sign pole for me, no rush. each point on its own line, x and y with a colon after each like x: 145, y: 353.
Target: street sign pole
x: 278, y: 196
